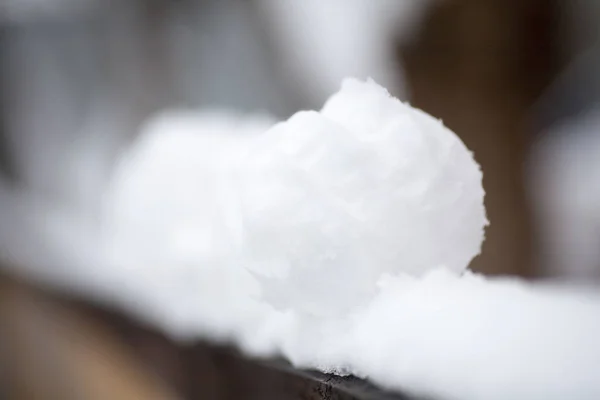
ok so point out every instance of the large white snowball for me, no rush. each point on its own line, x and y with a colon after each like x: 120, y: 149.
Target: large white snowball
x: 332, y: 200
x: 307, y: 215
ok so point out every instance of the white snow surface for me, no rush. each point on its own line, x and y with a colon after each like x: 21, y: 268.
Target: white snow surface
x: 338, y: 239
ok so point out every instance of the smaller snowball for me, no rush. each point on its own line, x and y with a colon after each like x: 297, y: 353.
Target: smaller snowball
x: 171, y: 224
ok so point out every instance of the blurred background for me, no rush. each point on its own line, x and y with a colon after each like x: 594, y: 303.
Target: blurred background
x: 517, y: 80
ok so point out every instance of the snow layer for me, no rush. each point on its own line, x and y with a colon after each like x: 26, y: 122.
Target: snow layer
x: 468, y: 338
x: 338, y: 239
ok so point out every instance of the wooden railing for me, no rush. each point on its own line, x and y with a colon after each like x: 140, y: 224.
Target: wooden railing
x: 54, y: 347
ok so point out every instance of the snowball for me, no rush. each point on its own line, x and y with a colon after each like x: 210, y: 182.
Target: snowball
x: 306, y: 216
x: 332, y: 200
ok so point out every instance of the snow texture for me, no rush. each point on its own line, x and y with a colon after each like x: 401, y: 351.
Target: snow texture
x: 338, y: 239
x: 366, y: 186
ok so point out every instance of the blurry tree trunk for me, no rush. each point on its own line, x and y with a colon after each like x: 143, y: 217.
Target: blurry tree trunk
x: 479, y: 65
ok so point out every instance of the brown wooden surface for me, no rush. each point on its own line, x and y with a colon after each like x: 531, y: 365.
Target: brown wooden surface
x: 49, y: 351
x: 54, y: 347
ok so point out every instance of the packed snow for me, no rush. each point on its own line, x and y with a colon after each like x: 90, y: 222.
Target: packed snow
x: 366, y: 186
x: 339, y: 239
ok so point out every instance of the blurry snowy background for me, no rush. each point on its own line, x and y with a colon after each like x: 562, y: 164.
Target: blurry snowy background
x: 518, y: 81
